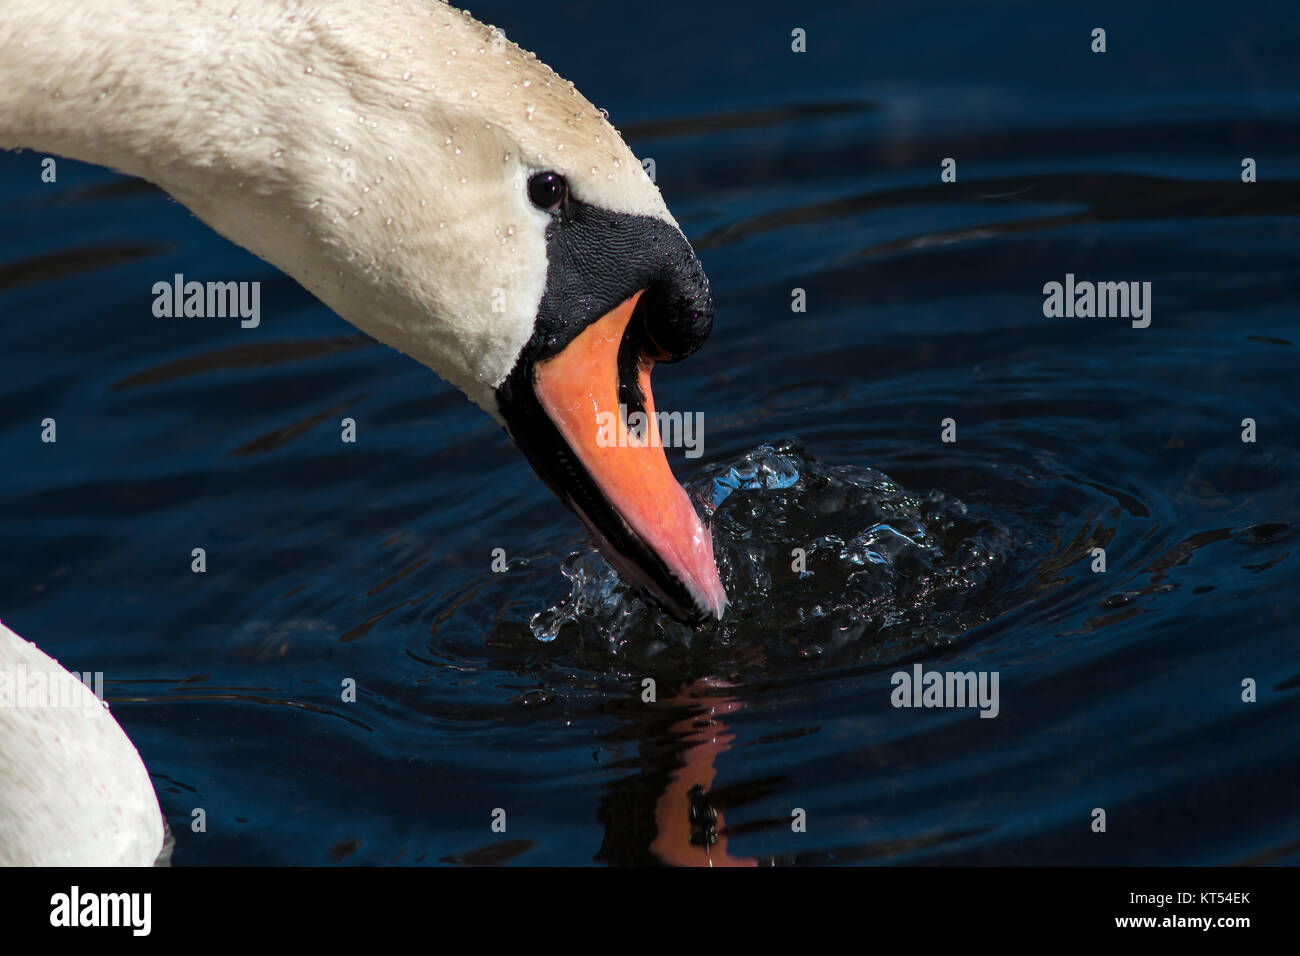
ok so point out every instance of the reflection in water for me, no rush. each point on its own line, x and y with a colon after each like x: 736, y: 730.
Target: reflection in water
x: 690, y: 830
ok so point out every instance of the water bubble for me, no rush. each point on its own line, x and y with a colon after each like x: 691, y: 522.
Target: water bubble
x: 817, y: 560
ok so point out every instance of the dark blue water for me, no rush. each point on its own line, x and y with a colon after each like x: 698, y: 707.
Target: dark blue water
x: 1119, y: 690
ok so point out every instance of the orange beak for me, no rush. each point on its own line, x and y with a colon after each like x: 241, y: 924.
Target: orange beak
x: 579, y: 391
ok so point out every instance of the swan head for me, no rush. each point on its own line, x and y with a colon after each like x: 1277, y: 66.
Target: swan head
x: 539, y: 270
x: 574, y: 280
x: 610, y: 286
x: 622, y: 290
x: 449, y: 194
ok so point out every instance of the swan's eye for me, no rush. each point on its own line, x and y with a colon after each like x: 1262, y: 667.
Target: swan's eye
x: 547, y: 190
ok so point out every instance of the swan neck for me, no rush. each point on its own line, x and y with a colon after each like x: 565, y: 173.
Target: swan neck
x: 102, y: 83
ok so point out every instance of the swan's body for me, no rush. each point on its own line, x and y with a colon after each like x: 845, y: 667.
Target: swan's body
x: 72, y: 787
x: 389, y: 155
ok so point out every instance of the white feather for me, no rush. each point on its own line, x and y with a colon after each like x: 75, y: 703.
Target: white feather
x: 73, y: 790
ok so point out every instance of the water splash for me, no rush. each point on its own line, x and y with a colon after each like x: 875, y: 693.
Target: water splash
x: 816, y: 559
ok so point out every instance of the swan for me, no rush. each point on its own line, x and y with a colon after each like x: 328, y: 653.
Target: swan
x: 436, y: 186
x: 73, y: 789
